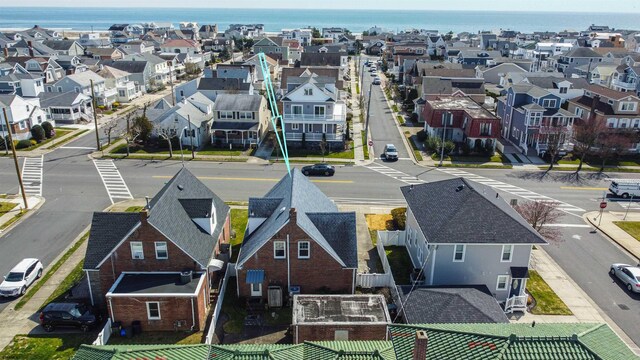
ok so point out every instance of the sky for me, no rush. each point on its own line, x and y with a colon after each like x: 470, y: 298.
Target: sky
x: 621, y: 6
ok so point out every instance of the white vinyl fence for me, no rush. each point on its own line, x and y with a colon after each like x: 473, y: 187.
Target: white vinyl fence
x: 231, y: 271
x: 104, y: 335
x: 367, y: 281
x: 392, y: 238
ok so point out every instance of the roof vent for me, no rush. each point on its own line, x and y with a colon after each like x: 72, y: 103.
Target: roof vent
x: 283, y: 209
x: 533, y: 324
x: 459, y: 188
x: 410, y: 187
x: 180, y: 187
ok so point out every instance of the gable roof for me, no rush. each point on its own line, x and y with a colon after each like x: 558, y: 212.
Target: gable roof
x: 320, y: 59
x: 316, y: 214
x: 82, y: 78
x: 60, y: 44
x: 582, y: 52
x: 447, y: 213
x: 107, y: 231
x: 130, y: 66
x: 447, y: 86
x: 223, y: 84
x: 238, y: 102
x: 450, y: 304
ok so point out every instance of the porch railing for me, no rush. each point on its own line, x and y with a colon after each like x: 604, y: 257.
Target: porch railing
x: 314, y: 136
x: 516, y: 303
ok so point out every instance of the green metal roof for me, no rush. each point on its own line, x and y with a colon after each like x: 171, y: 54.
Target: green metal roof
x: 513, y: 341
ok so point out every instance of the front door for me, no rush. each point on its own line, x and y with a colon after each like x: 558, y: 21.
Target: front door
x: 256, y: 290
x: 516, y: 287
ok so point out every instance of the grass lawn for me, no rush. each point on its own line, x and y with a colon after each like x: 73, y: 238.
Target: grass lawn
x: 497, y: 157
x: 46, y: 347
x: 590, y: 169
x: 59, y: 133
x: 69, y: 282
x: 597, y: 162
x: 134, y: 209
x: 160, y: 337
x: 5, y: 207
x: 122, y: 149
x: 400, y: 264
x: 239, y: 218
x: 365, y: 145
x: 12, y: 220
x: 547, y: 302
x: 416, y: 151
x: 234, y: 309
x: 631, y: 227
x: 379, y: 221
x: 209, y: 149
x: 401, y: 119
x: 346, y: 154
x: 478, y: 166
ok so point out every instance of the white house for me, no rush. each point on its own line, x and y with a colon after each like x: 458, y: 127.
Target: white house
x: 22, y: 113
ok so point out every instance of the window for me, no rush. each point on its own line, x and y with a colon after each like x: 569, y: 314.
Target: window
x: 636, y: 123
x: 296, y: 109
x: 563, y: 90
x: 153, y: 310
x: 628, y: 106
x: 295, y: 126
x: 549, y: 103
x: 507, y: 253
x: 21, y: 125
x: 245, y: 115
x: 38, y: 83
x: 136, y: 250
x: 161, y: 250
x: 318, y: 110
x: 458, y: 252
x: 303, y: 249
x: 579, y: 112
x: 503, y: 282
x: 308, y: 92
x: 485, y: 129
x: 341, y: 335
x: 226, y: 114
x: 279, y: 250
x: 535, y: 119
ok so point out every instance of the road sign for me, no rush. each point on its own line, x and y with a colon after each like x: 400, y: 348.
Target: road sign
x: 370, y: 142
x: 603, y: 205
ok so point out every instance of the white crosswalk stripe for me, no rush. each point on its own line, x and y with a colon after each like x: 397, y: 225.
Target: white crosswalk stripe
x: 32, y: 175
x: 112, y: 180
x: 367, y: 201
x: 627, y: 204
x: 393, y: 173
x: 511, y: 189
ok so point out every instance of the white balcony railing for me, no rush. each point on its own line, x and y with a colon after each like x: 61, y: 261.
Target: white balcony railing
x: 311, y: 117
x: 516, y: 303
x: 314, y: 136
x: 623, y: 85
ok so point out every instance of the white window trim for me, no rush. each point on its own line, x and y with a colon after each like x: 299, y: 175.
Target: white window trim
x: 510, y: 253
x: 297, y: 107
x: 284, y: 244
x: 308, y: 250
x: 324, y: 110
x: 166, y: 250
x: 295, y: 126
x: 131, y: 244
x: 506, y: 283
x: 464, y: 252
x: 149, y: 310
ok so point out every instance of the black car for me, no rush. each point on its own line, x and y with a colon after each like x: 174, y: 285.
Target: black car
x: 319, y: 169
x: 67, y: 314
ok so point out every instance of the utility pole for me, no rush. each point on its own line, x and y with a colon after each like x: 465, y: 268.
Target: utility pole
x: 366, y: 124
x: 15, y: 158
x: 193, y: 154
x: 445, y: 119
x: 173, y: 95
x: 5, y: 141
x: 95, y: 116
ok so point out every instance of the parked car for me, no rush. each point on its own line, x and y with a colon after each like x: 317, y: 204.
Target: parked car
x: 347, y: 77
x: 72, y: 314
x: 21, y: 277
x: 629, y: 275
x: 390, y: 152
x: 376, y: 81
x: 373, y: 68
x: 319, y: 169
x: 374, y: 73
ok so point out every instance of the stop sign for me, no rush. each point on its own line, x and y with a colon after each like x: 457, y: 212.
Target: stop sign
x: 370, y: 142
x: 603, y: 205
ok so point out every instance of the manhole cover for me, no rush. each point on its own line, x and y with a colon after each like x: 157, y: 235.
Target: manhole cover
x: 623, y: 306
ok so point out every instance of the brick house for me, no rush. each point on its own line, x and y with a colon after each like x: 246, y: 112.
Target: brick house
x: 297, y: 240
x: 339, y: 317
x: 470, y: 123
x: 157, y: 266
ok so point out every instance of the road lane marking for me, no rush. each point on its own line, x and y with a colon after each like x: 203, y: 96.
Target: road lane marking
x: 583, y: 188
x: 78, y: 147
x: 32, y: 175
x: 254, y: 179
x: 112, y: 180
x: 395, y: 174
x: 568, y: 225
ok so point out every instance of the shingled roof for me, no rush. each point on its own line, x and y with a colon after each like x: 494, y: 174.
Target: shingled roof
x: 455, y: 212
x: 107, y: 231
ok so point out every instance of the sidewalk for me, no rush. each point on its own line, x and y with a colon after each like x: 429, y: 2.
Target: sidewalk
x: 607, y: 227
x: 34, y: 203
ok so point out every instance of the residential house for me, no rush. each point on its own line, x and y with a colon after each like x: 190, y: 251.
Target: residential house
x: 295, y: 49
x: 437, y: 86
x: 49, y: 69
x: 568, y: 62
x: 478, y: 57
x: 304, y: 36
x: 333, y: 33
x: 295, y: 227
x: 601, y: 74
x: 189, y: 120
x: 31, y: 48
x: 66, y: 107
x: 160, y: 70
x: 530, y: 115
x: 158, y: 265
x: 339, y: 317
x: 104, y: 53
x: 324, y: 59
x: 313, y: 112
x: 211, y: 87
x: 71, y: 64
x: 140, y: 72
x: 219, y: 43
x: 246, y: 73
x: 93, y: 40
x: 81, y: 83
x: 181, y: 46
x: 137, y: 47
x: 492, y: 74
x: 126, y: 89
x: 22, y: 113
x: 553, y: 82
x: 240, y: 119
x: 274, y: 67
x: 374, y: 46
x: 208, y: 31
x: 65, y: 47
x: 461, y: 120
x: 272, y: 45
x: 452, y: 245
x: 626, y: 78
x: 436, y: 46
x: 18, y: 83
x: 240, y: 31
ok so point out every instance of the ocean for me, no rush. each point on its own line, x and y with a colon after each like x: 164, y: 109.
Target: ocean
x: 277, y: 19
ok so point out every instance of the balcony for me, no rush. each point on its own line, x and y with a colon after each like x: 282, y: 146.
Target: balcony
x: 628, y: 86
x: 314, y: 118
x: 314, y: 136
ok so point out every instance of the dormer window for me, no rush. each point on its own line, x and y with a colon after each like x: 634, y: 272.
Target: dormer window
x: 628, y: 106
x: 549, y: 103
x: 308, y: 92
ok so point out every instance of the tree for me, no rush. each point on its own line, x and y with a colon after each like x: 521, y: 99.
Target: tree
x: 586, y: 135
x: 611, y: 145
x: 323, y: 145
x: 48, y: 129
x: 168, y: 135
x: 315, y: 33
x: 37, y: 132
x: 556, y: 135
x: 224, y: 54
x: 365, y: 33
x: 539, y: 214
x: 192, y: 68
x: 108, y: 130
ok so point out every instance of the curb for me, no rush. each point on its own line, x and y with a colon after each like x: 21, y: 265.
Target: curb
x: 611, y: 237
x: 24, y: 217
x: 405, y: 141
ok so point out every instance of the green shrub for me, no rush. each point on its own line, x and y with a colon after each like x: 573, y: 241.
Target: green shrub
x: 399, y: 216
x: 466, y: 149
x: 421, y: 135
x: 4, y: 142
x: 349, y: 116
x: 23, y: 144
x: 48, y: 129
x: 488, y: 147
x: 449, y: 146
x: 37, y: 132
x: 433, y: 144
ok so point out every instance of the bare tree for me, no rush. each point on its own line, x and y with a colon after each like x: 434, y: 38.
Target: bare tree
x: 323, y: 145
x: 167, y: 134
x: 586, y: 135
x: 555, y: 136
x: 611, y: 145
x: 539, y: 215
x: 108, y: 130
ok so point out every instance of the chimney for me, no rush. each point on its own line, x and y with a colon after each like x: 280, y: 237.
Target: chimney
x: 6, y: 51
x: 421, y: 345
x: 292, y: 215
x: 144, y: 215
x: 30, y: 49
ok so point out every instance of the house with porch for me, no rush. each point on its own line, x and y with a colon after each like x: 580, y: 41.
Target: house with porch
x: 240, y: 119
x: 461, y: 120
x: 22, y: 83
x: 568, y: 62
x: 81, y: 83
x: 22, y: 113
x: 531, y: 116
x: 189, y: 120
x: 104, y: 53
x: 297, y: 241
x: 126, y: 90
x: 67, y: 107
x: 313, y: 111
x: 272, y: 45
x: 65, y: 47
x: 452, y: 245
x: 140, y: 72
x: 157, y: 266
x: 626, y: 78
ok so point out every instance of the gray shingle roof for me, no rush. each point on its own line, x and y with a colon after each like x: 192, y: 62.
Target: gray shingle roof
x: 582, y: 52
x: 456, y: 304
x: 320, y: 59
x: 59, y: 44
x: 222, y: 84
x: 107, y: 230
x: 453, y: 211
x: 48, y: 99
x: 238, y: 102
x: 316, y: 214
x: 132, y: 67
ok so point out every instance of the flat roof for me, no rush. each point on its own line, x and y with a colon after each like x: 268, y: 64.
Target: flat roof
x: 340, y: 309
x: 154, y: 284
x: 455, y: 103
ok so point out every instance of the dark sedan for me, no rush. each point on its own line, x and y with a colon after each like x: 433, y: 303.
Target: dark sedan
x: 319, y: 169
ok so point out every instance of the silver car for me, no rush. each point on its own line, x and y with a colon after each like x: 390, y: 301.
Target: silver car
x: 629, y: 275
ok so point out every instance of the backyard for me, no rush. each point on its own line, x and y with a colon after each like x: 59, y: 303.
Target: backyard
x: 239, y: 218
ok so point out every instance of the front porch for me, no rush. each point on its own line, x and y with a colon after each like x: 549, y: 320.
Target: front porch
x: 518, y: 298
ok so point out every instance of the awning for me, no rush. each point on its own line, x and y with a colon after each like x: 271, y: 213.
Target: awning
x: 519, y: 272
x: 216, y: 265
x: 255, y: 276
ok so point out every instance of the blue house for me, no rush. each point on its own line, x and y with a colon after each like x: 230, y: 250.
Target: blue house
x: 531, y: 117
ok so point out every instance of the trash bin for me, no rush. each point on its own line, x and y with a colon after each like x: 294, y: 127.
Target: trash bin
x: 116, y: 327
x: 129, y: 332
x: 137, y: 327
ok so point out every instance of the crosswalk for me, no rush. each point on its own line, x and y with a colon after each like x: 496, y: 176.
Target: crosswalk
x: 32, y: 175
x: 112, y: 180
x: 369, y: 201
x: 393, y: 173
x: 627, y: 205
x: 511, y: 189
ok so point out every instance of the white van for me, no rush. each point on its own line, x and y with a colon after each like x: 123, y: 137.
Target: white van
x: 625, y: 188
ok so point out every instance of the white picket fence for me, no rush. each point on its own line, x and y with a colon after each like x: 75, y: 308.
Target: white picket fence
x: 367, y: 281
x: 392, y: 238
x: 231, y: 271
x: 104, y: 335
